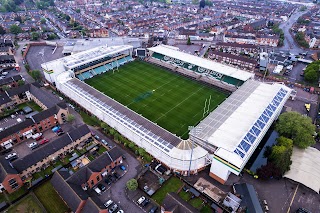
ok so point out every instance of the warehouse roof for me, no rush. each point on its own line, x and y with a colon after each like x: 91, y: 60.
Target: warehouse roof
x: 235, y: 126
x: 201, y: 62
x: 305, y: 167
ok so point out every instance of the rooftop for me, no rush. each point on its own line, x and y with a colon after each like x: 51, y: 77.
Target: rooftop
x: 201, y: 62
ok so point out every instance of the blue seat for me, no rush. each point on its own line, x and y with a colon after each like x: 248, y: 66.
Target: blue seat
x: 80, y: 77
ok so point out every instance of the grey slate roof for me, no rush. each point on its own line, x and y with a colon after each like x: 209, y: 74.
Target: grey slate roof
x: 18, y: 90
x: 45, y: 114
x: 249, y: 197
x: 47, y: 98
x: 10, y: 79
x: 172, y: 202
x: 4, y: 98
x: 65, y: 191
x: 44, y: 151
x: 16, y: 128
x: 79, y: 132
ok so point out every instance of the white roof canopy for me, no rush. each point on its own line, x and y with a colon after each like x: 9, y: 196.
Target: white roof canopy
x: 305, y: 167
x: 201, y: 62
x: 237, y: 126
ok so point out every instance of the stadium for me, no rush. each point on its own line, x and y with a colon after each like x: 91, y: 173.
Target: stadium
x: 175, y: 105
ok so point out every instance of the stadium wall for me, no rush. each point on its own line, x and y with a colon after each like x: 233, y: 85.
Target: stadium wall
x: 201, y: 71
x: 177, y: 159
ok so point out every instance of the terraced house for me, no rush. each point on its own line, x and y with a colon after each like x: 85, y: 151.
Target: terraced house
x: 14, y: 174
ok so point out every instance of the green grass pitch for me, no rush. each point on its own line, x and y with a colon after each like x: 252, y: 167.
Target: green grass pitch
x: 172, y: 101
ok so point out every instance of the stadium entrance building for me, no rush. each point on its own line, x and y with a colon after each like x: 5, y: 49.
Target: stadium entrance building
x: 201, y: 67
x: 234, y: 130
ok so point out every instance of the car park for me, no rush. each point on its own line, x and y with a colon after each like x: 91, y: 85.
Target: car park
x: 11, y: 156
x: 141, y: 199
x: 153, y: 209
x: 33, y: 145
x: 145, y: 202
x: 116, y: 175
x: 113, y: 208
x: 44, y: 141
x: 102, y: 187
x: 108, y: 203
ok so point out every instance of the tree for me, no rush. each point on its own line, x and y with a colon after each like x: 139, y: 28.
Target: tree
x: 27, y: 66
x: 281, y: 154
x: 21, y: 82
x: 71, y: 118
x: 132, y: 184
x: 78, y: 10
x: 311, y: 74
x: 297, y: 127
x: 103, y: 125
x: 35, y: 36
x: 189, y: 41
x: 268, y: 171
x: 112, y: 131
x: 15, y: 29
x: 5, y: 88
x: 2, y: 31
x: 43, y: 20
x: 35, y: 74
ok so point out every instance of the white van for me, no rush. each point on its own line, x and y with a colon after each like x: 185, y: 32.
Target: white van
x: 97, y: 190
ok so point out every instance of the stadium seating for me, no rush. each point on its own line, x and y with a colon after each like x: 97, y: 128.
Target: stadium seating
x: 99, y: 70
x: 80, y: 77
x: 87, y: 75
x: 129, y: 58
x: 122, y: 61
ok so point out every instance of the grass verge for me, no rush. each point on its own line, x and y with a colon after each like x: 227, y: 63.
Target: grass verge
x: 171, y: 185
x: 50, y: 199
x: 26, y: 205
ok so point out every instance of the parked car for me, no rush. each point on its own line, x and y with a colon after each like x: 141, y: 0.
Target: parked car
x: 101, y: 187
x: 11, y: 156
x: 123, y: 157
x: 153, y: 209
x: 145, y: 202
x: 60, y: 133
x: 120, y: 211
x: 141, y: 199
x: 104, y: 142
x: 97, y: 190
x: 116, y: 175
x: 122, y: 167
x: 97, y: 137
x: 108, y: 203
x: 44, y: 141
x: 33, y: 145
x: 113, y: 208
x: 108, y: 181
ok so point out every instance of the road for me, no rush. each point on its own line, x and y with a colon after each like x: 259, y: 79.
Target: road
x: 289, y: 43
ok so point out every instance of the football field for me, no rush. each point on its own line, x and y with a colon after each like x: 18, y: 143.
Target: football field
x: 172, y: 101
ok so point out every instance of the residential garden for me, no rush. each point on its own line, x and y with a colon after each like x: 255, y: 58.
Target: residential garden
x: 174, y: 184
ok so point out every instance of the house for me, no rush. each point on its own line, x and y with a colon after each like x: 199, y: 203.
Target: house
x: 237, y: 48
x: 14, y: 174
x: 7, y: 61
x: 75, y: 189
x: 55, y: 111
x: 99, y: 33
x: 172, y: 203
x: 240, y: 61
x: 256, y: 25
x: 11, y: 81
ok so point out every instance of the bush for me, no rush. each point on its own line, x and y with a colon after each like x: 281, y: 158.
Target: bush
x: 132, y: 184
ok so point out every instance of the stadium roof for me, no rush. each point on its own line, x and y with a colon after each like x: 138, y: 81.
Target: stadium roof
x: 201, y: 62
x: 77, y: 59
x: 305, y: 167
x: 235, y: 126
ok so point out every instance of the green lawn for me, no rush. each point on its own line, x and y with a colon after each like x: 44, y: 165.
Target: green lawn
x: 90, y: 120
x: 196, y: 202
x: 50, y: 199
x: 32, y: 105
x: 102, y: 149
x: 26, y: 205
x: 171, y: 185
x: 17, y: 193
x: 206, y: 209
x: 168, y: 99
x: 185, y: 195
